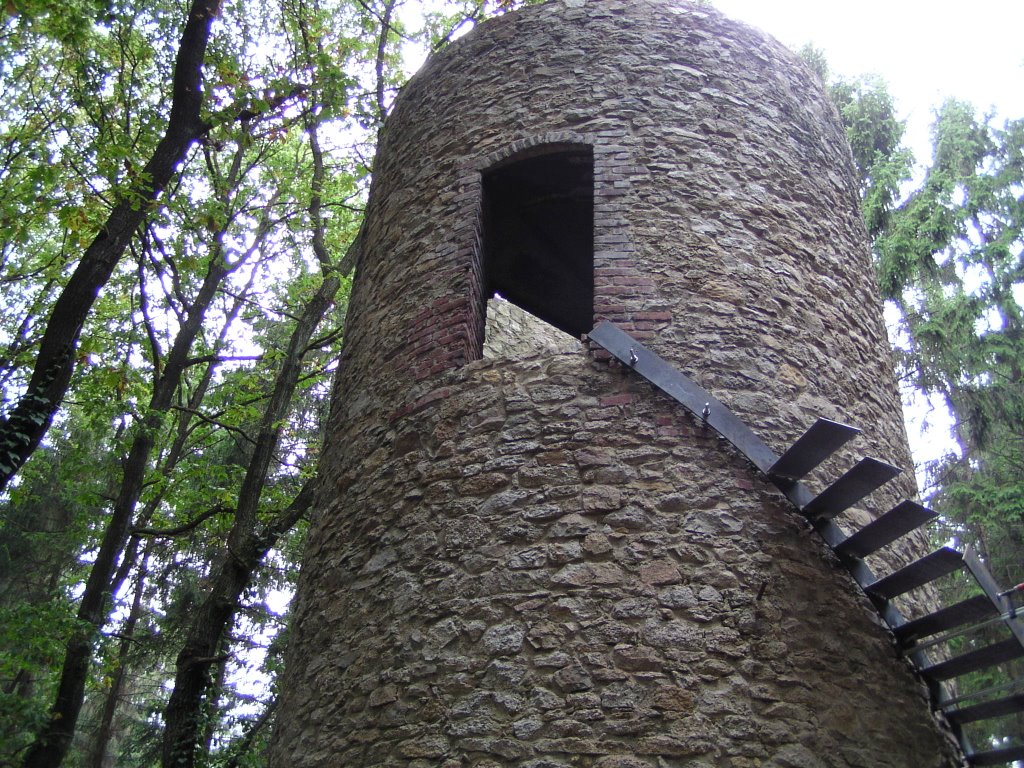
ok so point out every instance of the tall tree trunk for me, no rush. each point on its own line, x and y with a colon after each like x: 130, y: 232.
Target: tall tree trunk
x: 101, y: 742
x: 192, y: 681
x: 212, y: 712
x: 247, y: 545
x: 53, y: 741
x: 28, y: 421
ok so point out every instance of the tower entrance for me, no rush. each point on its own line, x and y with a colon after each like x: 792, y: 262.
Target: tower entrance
x: 538, y: 230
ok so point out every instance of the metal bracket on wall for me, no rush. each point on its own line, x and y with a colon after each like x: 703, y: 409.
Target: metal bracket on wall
x: 819, y: 442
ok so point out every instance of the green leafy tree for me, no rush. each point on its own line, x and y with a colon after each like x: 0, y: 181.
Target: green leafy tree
x: 952, y: 259
x: 875, y: 134
x: 23, y: 426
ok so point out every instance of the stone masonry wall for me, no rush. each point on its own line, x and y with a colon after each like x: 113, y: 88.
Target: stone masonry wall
x: 540, y: 562
x: 552, y: 566
x: 512, y: 332
x: 714, y: 240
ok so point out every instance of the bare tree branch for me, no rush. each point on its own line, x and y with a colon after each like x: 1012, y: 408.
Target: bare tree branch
x: 191, y: 525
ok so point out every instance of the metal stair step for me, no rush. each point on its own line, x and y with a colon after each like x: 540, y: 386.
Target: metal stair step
x: 867, y: 475
x: 920, y: 572
x: 969, y: 611
x: 997, y: 756
x: 986, y: 710
x: 820, y: 441
x: 898, y: 521
x: 972, y: 661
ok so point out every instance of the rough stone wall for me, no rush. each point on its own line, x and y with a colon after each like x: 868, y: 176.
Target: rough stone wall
x: 511, y: 332
x: 726, y: 224
x: 552, y: 566
x: 539, y: 561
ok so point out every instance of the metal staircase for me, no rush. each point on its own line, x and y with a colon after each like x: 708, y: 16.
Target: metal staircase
x: 992, y: 608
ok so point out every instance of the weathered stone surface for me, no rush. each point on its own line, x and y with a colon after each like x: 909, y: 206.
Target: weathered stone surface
x: 504, y: 639
x: 514, y: 333
x: 528, y: 557
x: 590, y: 574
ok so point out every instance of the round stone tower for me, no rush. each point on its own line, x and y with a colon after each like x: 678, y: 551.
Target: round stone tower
x: 533, y: 558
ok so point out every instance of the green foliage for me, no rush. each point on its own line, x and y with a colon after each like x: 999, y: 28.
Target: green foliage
x: 875, y: 135
x: 32, y: 638
x: 953, y: 260
x: 950, y: 256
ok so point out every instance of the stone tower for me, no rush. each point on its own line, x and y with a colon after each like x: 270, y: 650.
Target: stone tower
x: 534, y: 559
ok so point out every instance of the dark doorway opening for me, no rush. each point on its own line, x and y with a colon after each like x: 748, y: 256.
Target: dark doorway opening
x: 539, y: 236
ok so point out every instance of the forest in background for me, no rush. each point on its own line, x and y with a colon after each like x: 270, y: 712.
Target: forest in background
x: 179, y: 183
